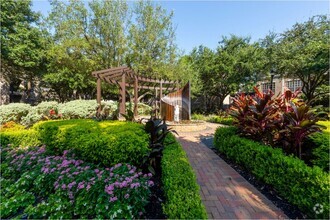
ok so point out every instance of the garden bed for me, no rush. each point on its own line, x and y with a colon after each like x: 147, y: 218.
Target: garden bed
x: 101, y: 145
x: 267, y: 190
x: 303, y: 186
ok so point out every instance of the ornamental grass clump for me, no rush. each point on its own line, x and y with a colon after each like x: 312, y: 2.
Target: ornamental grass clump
x: 37, y: 185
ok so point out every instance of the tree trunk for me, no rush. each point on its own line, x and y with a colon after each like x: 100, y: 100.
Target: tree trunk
x: 222, y: 98
x: 28, y: 91
x: 143, y: 95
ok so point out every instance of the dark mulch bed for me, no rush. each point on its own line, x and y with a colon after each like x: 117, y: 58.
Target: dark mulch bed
x: 154, y: 208
x: 290, y: 210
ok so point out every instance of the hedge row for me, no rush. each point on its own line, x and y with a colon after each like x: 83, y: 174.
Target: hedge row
x: 221, y: 120
x: 320, y: 145
x: 78, y: 109
x: 300, y: 184
x: 179, y: 181
x: 226, y: 120
x: 107, y: 142
x: 20, y: 137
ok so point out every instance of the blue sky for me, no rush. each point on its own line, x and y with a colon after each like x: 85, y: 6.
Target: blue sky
x: 204, y: 22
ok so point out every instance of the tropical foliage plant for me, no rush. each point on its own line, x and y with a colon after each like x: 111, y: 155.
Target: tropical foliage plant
x: 284, y: 120
x: 158, y: 130
x: 299, y: 123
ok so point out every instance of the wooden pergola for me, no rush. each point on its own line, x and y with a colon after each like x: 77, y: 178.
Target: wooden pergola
x: 124, y: 77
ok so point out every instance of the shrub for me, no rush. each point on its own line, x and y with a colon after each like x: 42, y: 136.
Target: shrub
x: 105, y: 142
x: 43, y: 108
x: 13, y: 112
x: 319, y: 144
x: 19, y: 137
x: 292, y: 178
x: 221, y: 120
x: 31, y: 118
x: 11, y: 126
x: 179, y: 181
x: 78, y: 109
x: 285, y: 120
x: 157, y: 130
x: 198, y: 117
x: 298, y: 124
x: 38, y: 186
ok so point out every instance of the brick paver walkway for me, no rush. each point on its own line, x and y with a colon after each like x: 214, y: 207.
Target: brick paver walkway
x: 225, y: 193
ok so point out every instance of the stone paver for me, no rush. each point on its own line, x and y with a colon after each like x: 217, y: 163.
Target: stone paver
x: 224, y: 192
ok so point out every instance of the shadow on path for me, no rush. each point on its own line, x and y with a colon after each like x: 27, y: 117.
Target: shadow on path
x: 224, y: 192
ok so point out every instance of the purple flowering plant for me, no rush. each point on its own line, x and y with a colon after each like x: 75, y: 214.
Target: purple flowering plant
x: 66, y: 187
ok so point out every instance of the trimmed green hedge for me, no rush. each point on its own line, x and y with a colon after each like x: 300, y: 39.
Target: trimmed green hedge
x: 107, y: 142
x: 300, y: 184
x: 179, y: 181
x: 221, y: 120
x: 20, y: 137
x: 320, y: 144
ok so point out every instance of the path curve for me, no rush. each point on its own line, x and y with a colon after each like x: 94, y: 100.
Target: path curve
x: 224, y: 192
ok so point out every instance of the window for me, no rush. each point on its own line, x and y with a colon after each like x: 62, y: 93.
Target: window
x: 266, y: 86
x: 293, y: 85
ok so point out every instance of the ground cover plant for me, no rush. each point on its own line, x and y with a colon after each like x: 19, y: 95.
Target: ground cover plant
x: 295, y: 181
x: 38, y: 185
x: 100, y: 145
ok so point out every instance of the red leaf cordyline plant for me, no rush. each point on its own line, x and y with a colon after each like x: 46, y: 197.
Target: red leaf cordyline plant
x: 285, y: 120
x: 240, y: 111
x: 265, y: 116
x: 299, y: 123
x: 256, y: 116
x: 283, y: 101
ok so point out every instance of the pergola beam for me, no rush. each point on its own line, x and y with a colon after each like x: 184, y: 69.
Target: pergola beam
x: 125, y: 77
x: 122, y: 106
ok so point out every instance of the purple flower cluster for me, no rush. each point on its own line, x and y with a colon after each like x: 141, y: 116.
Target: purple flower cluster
x: 74, y: 177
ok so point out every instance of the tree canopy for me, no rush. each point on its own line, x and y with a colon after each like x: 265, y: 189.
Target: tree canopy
x: 226, y: 69
x: 104, y: 34
x: 303, y: 52
x: 78, y: 37
x: 23, y: 44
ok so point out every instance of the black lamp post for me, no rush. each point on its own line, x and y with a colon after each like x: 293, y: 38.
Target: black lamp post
x: 272, y: 73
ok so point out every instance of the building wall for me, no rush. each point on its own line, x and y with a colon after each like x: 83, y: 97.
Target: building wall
x: 280, y: 84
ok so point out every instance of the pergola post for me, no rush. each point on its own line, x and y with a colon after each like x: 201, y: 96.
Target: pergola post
x: 125, y: 77
x: 122, y: 106
x: 160, y: 97
x: 156, y: 102
x: 98, y: 95
x: 135, y: 96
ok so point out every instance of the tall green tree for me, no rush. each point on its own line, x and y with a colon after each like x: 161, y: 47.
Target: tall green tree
x: 151, y: 38
x: 22, y: 43
x: 104, y: 34
x: 303, y: 52
x: 71, y: 62
x: 224, y: 70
